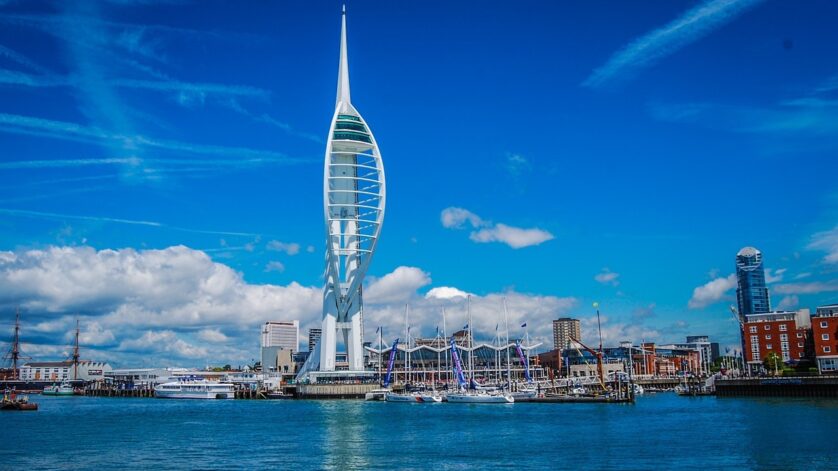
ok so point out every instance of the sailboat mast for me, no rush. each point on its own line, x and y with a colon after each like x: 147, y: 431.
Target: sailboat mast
x: 16, y: 344
x: 447, y: 350
x: 470, y: 341
x: 76, y: 354
x: 506, y: 347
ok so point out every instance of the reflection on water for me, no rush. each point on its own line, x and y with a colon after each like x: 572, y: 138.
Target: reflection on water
x: 345, y: 434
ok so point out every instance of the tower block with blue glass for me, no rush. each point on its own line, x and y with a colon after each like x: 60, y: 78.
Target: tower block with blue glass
x: 751, y: 291
x: 353, y: 207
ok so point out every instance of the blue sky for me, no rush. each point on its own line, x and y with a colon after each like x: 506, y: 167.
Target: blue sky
x: 554, y: 153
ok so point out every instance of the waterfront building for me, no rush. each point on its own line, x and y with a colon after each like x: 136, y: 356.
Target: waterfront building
x: 283, y: 334
x: 782, y: 332
x: 751, y: 291
x: 313, y: 338
x: 825, y: 337
x: 564, y: 329
x: 143, y: 377
x: 56, y: 371
x: 354, y: 201
x: 701, y: 344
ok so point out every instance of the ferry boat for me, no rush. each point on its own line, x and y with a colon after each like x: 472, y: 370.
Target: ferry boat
x: 64, y: 389
x: 195, y: 389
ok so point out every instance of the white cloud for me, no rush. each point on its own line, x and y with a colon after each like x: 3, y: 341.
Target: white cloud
x: 773, y: 276
x: 712, y: 292
x: 512, y: 236
x: 515, y: 237
x: 291, y: 248
x: 826, y: 241
x: 445, y: 292
x: 788, y: 303
x: 165, y: 341
x: 455, y: 218
x: 121, y: 292
x: 177, y: 306
x: 813, y: 287
x: 607, y: 277
x: 310, y: 249
x: 659, y: 43
x: 398, y: 286
x: 212, y: 336
x: 275, y: 266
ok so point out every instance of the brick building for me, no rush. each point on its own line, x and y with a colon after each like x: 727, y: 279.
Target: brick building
x: 825, y: 337
x: 782, y: 332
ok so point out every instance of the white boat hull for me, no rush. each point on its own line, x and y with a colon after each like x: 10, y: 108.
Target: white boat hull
x: 421, y: 398
x: 481, y: 398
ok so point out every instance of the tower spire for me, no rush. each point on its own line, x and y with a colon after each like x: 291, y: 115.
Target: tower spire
x: 343, y: 70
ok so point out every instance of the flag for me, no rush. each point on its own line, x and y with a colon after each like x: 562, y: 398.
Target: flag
x: 465, y: 327
x: 524, y: 324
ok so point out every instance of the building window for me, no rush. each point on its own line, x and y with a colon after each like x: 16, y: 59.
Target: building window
x: 767, y: 327
x: 799, y: 335
x: 827, y: 349
x: 824, y: 336
x: 786, y: 356
x: 769, y: 346
x: 783, y: 327
x: 800, y: 344
x: 753, y: 329
x: 823, y: 324
x: 800, y: 354
x: 767, y: 336
x: 784, y: 346
x: 784, y: 337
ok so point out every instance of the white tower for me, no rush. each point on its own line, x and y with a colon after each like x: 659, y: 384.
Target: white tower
x: 353, y: 206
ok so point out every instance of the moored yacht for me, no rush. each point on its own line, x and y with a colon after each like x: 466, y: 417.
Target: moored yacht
x: 480, y: 397
x: 195, y: 389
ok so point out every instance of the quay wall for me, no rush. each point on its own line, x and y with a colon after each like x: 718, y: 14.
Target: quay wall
x: 334, y: 391
x: 812, y: 386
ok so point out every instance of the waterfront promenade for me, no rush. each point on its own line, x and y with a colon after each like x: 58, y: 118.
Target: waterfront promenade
x: 660, y: 431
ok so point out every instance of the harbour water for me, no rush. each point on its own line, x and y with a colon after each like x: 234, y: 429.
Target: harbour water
x: 660, y: 431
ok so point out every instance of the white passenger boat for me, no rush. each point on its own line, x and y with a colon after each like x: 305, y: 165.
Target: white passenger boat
x: 195, y: 390
x: 64, y: 389
x: 480, y: 398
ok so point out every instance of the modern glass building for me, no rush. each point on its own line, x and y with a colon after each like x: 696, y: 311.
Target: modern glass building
x: 751, y: 292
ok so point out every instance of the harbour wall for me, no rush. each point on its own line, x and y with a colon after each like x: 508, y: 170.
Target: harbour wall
x: 335, y: 391
x: 811, y: 386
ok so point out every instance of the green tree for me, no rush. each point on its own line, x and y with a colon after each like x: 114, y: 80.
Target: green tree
x: 772, y: 362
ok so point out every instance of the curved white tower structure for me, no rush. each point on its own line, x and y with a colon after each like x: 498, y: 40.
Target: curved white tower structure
x: 353, y: 207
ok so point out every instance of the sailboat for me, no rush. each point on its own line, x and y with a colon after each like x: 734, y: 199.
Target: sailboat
x: 408, y: 396
x: 472, y: 396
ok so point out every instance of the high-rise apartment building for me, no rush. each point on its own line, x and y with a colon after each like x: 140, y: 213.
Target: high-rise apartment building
x: 751, y: 292
x: 563, y: 330
x: 313, y: 338
x: 284, y: 334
